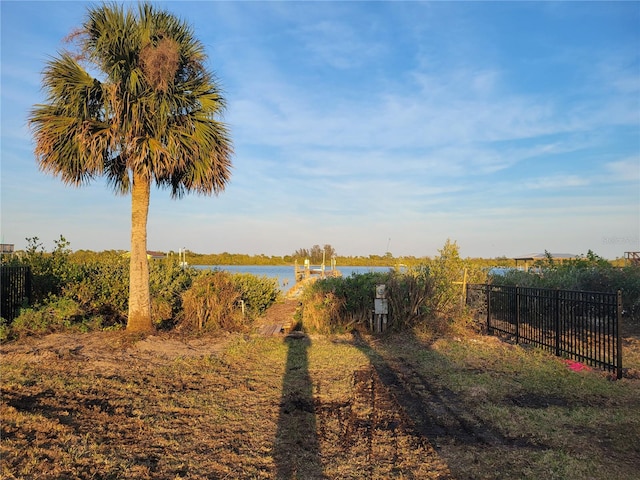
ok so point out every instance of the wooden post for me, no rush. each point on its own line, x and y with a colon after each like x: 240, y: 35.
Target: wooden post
x: 464, y: 287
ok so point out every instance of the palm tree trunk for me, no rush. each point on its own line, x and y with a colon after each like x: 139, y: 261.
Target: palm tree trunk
x: 139, y: 299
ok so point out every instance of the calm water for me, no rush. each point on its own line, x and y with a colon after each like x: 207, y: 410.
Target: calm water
x: 284, y: 274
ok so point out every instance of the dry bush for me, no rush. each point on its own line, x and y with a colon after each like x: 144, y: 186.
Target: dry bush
x: 211, y: 303
x: 322, y: 312
x: 408, y: 294
x: 160, y: 63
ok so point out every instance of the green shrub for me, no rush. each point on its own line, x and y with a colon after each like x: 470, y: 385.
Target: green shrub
x: 167, y: 282
x: 587, y: 273
x: 338, y: 303
x: 447, y: 272
x: 429, y: 294
x: 102, y: 288
x: 257, y: 293
x: 51, y: 271
x: 54, y: 315
x: 98, y: 284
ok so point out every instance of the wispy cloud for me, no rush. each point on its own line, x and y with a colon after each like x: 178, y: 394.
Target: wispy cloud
x: 626, y: 170
x: 354, y: 122
x: 556, y: 182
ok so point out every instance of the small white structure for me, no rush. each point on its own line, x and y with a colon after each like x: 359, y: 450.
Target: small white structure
x: 380, y: 316
x: 182, y: 257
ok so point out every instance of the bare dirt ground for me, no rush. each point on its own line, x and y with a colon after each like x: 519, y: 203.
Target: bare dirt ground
x: 101, y: 351
x: 109, y: 406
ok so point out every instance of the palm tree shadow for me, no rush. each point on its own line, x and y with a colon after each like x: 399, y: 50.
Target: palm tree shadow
x: 297, y: 450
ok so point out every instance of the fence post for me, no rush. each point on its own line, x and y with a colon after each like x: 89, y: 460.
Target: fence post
x: 557, y: 321
x: 488, y: 308
x: 30, y: 285
x: 618, y: 337
x: 517, y: 314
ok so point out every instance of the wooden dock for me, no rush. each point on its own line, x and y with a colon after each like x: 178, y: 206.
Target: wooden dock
x: 307, y: 271
x: 632, y: 258
x: 278, y: 318
x: 271, y: 329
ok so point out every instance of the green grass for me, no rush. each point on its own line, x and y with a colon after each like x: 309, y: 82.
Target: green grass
x: 584, y: 424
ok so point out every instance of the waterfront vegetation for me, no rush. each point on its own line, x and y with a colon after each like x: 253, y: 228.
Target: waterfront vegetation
x: 86, y: 290
x: 117, y: 367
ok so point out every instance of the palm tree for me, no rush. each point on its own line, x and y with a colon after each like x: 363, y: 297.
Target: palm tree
x: 149, y: 117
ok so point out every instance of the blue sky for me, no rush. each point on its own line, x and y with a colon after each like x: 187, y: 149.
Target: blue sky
x: 508, y: 127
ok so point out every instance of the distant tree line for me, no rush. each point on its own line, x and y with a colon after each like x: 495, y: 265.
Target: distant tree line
x: 314, y: 254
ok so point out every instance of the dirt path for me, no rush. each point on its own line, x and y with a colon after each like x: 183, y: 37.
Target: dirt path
x: 374, y: 428
x: 279, y: 318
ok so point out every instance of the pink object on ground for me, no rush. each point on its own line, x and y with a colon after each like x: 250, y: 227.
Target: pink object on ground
x: 576, y: 366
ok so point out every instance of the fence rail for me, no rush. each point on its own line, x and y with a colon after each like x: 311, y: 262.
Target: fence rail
x: 15, y: 290
x: 583, y: 326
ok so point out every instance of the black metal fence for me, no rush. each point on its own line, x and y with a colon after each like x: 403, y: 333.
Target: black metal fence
x: 583, y: 326
x: 15, y: 290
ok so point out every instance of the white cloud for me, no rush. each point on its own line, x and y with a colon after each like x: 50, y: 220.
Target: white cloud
x: 338, y: 44
x: 355, y: 124
x: 626, y: 170
x: 556, y: 182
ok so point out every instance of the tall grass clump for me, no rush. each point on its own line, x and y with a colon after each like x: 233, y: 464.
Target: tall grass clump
x: 213, y: 301
x: 408, y: 296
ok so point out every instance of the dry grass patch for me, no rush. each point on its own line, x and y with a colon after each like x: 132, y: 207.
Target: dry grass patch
x: 350, y: 406
x: 258, y: 408
x: 521, y: 411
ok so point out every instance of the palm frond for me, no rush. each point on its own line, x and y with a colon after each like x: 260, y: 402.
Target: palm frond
x: 70, y: 129
x: 144, y: 116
